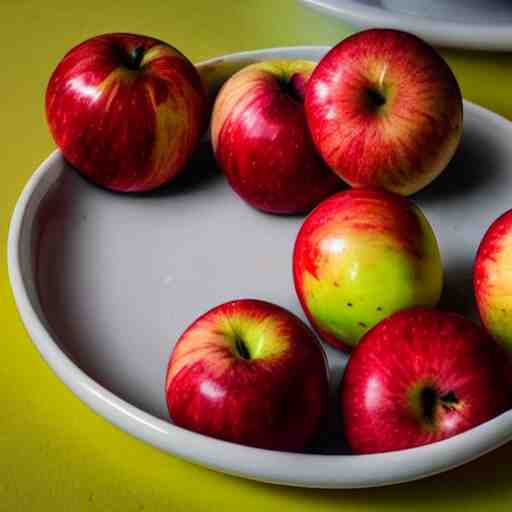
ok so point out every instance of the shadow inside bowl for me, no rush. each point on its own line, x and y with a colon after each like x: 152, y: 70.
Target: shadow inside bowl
x: 458, y: 295
x: 198, y: 173
x: 476, y: 165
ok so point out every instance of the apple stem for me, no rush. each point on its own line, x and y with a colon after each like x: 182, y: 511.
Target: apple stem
x: 241, y: 348
x: 449, y: 398
x: 430, y: 399
x: 136, y: 57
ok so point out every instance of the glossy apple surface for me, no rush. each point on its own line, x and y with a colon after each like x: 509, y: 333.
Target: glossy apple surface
x: 261, y: 139
x: 125, y: 110
x: 249, y: 372
x: 360, y: 256
x: 418, y: 377
x: 385, y: 110
x: 493, y: 280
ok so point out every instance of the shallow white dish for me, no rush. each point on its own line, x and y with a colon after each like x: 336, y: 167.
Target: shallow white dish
x: 486, y: 25
x: 105, y: 283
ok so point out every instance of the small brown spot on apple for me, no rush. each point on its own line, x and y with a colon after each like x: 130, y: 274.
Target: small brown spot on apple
x: 362, y: 324
x: 349, y: 304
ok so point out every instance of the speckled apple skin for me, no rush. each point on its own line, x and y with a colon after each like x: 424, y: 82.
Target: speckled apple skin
x: 360, y: 256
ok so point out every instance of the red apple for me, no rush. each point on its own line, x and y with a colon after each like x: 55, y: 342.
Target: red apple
x: 385, y: 110
x: 261, y: 139
x: 493, y: 280
x: 249, y: 372
x: 361, y: 255
x: 418, y: 377
x: 126, y: 110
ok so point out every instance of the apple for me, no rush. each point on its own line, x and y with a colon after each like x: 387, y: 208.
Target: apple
x: 493, y: 280
x: 249, y: 372
x: 360, y: 256
x: 126, y: 110
x: 418, y: 377
x: 261, y: 139
x: 384, y: 110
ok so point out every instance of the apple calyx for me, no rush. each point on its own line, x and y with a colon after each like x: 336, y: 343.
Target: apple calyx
x: 427, y: 401
x: 375, y: 99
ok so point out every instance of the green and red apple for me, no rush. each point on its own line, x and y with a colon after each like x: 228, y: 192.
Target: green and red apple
x: 493, y: 280
x: 360, y: 256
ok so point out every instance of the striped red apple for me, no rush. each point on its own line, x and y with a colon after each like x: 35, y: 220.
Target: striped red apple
x: 360, y: 256
x: 384, y: 110
x: 249, y: 372
x: 493, y: 280
x: 418, y: 377
x: 261, y: 139
x: 126, y: 110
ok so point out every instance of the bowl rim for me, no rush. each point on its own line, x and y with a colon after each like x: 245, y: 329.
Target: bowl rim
x: 476, y: 36
x: 296, y: 469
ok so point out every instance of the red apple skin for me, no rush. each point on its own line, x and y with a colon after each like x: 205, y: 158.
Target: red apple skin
x: 277, y: 399
x: 493, y: 281
x: 402, y: 356
x: 126, y: 126
x: 261, y: 139
x: 385, y: 110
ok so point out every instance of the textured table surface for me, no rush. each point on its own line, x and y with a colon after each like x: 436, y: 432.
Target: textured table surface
x: 55, y: 453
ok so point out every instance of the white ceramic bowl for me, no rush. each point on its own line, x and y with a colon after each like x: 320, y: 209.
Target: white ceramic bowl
x: 106, y: 282
x: 452, y: 9
x: 468, y: 24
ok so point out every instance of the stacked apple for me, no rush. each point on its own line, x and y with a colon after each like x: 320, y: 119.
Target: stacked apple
x: 381, y: 112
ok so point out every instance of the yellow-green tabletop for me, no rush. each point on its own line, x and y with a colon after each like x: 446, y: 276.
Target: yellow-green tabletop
x: 55, y: 453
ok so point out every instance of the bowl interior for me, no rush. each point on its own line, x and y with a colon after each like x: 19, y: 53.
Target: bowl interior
x: 121, y: 276
x: 111, y: 281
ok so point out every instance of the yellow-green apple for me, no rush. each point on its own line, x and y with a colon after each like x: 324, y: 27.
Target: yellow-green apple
x: 126, y: 110
x: 249, y: 372
x: 261, y: 139
x: 384, y: 110
x: 361, y: 255
x: 493, y: 280
x: 418, y: 377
